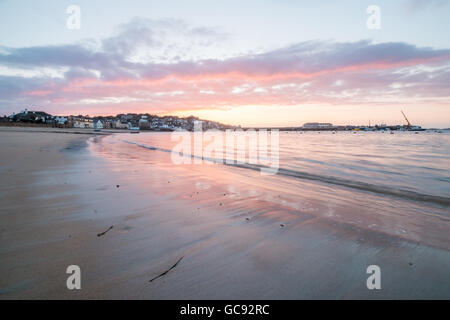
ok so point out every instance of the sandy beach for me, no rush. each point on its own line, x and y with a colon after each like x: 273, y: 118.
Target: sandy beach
x: 226, y: 236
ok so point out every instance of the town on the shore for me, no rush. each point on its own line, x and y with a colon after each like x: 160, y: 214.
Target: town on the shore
x: 130, y: 121
x: 146, y: 121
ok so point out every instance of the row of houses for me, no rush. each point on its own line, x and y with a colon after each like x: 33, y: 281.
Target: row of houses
x: 143, y: 122
x: 26, y: 116
x: 120, y: 121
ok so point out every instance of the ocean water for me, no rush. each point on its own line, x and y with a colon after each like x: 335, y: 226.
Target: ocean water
x: 418, y: 164
x: 392, y: 183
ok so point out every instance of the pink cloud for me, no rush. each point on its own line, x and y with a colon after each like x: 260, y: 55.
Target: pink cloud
x: 303, y: 73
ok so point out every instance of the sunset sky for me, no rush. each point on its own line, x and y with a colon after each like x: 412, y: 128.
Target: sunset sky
x: 253, y: 63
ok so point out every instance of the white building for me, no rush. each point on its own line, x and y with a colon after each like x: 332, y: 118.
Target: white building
x: 98, y: 124
x: 317, y: 125
x: 83, y: 123
x: 121, y: 124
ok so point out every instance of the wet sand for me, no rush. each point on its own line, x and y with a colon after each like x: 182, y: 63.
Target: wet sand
x: 231, y: 239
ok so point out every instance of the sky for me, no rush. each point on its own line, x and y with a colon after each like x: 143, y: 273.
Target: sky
x: 247, y: 62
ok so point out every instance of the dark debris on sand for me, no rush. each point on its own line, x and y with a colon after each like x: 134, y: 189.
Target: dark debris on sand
x: 102, y: 233
x: 165, y: 272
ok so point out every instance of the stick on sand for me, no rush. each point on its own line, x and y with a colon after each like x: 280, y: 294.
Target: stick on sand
x: 100, y: 234
x: 165, y: 272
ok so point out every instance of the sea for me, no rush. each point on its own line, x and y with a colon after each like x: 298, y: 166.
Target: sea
x: 397, y: 183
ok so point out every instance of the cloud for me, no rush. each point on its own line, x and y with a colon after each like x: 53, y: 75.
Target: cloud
x: 165, y: 40
x: 145, y: 62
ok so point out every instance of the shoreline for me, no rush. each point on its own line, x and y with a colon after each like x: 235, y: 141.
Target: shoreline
x: 57, y: 203
x: 281, y: 129
x: 56, y: 130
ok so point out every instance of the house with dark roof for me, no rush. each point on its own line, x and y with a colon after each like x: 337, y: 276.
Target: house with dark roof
x: 32, y: 117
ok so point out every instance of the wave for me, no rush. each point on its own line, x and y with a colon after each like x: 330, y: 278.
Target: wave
x: 358, y: 185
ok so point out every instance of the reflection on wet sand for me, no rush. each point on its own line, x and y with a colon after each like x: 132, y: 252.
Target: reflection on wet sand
x: 209, y: 231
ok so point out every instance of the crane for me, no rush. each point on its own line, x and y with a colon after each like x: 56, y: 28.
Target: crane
x: 409, y: 124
